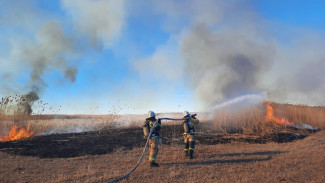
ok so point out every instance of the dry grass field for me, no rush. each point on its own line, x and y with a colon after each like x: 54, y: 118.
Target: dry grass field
x: 239, y: 146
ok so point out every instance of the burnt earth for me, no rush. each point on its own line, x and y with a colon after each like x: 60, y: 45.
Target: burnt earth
x: 107, y: 141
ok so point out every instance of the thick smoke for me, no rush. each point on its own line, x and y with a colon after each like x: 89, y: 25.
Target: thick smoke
x: 224, y: 64
x: 27, y: 101
x: 228, y: 50
x: 223, y: 52
x: 18, y: 104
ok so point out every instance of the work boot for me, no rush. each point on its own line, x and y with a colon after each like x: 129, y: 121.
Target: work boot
x: 191, y: 154
x: 153, y: 164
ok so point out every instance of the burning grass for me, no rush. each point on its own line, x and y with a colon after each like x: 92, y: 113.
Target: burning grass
x: 267, y: 119
x: 232, y: 146
x: 17, y: 133
x: 54, y: 124
x: 264, y: 121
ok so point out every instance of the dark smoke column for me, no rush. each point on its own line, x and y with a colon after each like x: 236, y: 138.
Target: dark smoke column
x: 27, y: 102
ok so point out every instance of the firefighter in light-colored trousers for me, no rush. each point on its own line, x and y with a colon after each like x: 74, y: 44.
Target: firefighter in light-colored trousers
x: 154, y: 140
x: 189, y: 133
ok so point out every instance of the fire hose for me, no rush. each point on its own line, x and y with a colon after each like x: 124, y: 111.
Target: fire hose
x: 145, y: 149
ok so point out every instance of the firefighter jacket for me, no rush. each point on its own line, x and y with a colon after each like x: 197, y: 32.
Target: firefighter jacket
x: 148, y: 124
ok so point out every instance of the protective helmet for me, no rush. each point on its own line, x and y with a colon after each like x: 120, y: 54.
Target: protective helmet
x: 151, y: 114
x: 186, y: 113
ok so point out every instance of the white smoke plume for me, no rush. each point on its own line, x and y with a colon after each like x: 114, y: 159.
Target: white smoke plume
x: 101, y: 21
x: 228, y: 50
x: 37, y: 43
x: 222, y: 49
x: 162, y: 64
x: 223, y: 52
x: 300, y: 78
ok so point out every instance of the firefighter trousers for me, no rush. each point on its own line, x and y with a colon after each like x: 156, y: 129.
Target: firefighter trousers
x: 153, y: 148
x: 189, y: 140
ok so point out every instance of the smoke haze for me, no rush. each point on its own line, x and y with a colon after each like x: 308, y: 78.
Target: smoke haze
x: 228, y: 50
x: 223, y: 52
x: 216, y: 51
x: 223, y: 65
x: 101, y: 21
x: 40, y: 45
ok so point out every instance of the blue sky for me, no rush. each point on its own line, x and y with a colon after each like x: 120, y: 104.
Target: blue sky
x: 295, y: 13
x: 132, y: 57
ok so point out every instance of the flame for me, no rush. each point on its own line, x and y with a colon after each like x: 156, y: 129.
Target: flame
x: 270, y: 116
x: 17, y: 133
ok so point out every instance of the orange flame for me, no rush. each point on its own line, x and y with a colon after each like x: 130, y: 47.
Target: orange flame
x: 270, y: 116
x: 17, y: 133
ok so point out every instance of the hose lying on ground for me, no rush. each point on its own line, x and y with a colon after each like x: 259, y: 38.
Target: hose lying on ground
x: 144, y: 151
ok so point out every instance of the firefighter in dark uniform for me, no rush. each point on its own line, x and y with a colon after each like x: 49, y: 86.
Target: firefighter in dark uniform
x: 189, y: 133
x: 154, y: 138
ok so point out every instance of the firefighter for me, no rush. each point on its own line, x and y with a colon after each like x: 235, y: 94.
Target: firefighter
x: 154, y: 138
x: 189, y: 133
